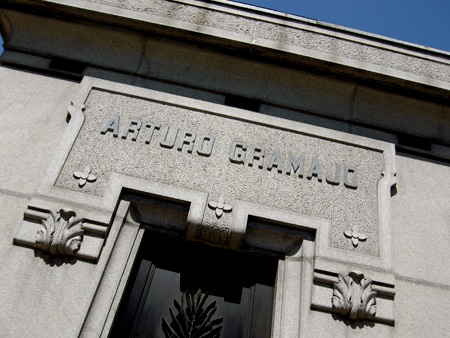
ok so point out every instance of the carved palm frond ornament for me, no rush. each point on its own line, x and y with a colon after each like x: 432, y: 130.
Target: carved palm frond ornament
x: 353, y: 296
x: 193, y: 318
x: 61, y: 233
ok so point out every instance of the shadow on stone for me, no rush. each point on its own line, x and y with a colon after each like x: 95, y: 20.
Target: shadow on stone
x: 53, y: 260
x: 393, y: 190
x: 353, y: 324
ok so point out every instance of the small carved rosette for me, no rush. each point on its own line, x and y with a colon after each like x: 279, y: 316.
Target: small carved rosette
x: 61, y: 233
x: 353, y: 296
x: 220, y: 206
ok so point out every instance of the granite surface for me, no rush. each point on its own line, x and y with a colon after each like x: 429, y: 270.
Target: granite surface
x: 185, y: 13
x: 260, y: 30
x: 217, y: 175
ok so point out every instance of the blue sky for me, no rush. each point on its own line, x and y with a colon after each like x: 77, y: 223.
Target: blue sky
x: 425, y: 22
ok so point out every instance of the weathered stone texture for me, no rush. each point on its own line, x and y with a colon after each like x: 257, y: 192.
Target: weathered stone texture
x: 421, y: 221
x: 31, y: 126
x: 304, y: 37
x: 185, y: 13
x: 352, y: 50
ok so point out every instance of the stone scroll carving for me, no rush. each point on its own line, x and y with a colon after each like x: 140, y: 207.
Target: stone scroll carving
x: 353, y: 296
x: 61, y: 233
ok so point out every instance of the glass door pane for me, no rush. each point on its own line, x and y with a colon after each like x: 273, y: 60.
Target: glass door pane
x: 169, y: 274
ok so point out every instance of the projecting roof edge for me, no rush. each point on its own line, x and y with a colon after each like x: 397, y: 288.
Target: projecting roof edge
x: 270, y: 32
x: 329, y: 26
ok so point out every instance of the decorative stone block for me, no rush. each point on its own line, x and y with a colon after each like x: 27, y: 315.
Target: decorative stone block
x: 61, y: 233
x: 187, y: 143
x: 354, y: 296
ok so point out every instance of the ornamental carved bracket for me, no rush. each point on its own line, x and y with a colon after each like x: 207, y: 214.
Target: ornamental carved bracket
x: 61, y: 233
x: 353, y: 296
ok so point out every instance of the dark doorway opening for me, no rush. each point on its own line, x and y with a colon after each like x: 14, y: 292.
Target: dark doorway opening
x: 168, y: 273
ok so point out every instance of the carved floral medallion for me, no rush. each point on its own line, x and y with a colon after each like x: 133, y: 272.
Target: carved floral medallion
x: 220, y: 206
x: 84, y: 176
x: 355, y: 235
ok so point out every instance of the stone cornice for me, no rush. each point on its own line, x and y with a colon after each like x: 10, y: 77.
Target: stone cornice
x: 269, y: 34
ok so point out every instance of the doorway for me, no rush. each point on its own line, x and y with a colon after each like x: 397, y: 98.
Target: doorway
x: 188, y: 289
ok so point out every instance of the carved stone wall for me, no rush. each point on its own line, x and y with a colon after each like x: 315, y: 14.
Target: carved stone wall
x: 166, y: 142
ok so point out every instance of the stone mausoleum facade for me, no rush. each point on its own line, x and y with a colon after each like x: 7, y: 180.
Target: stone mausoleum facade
x: 194, y: 168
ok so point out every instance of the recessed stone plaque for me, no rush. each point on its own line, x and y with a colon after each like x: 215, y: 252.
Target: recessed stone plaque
x: 232, y: 155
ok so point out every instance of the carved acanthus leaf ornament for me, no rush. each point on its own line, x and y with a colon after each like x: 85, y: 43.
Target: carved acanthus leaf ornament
x: 353, y: 296
x: 61, y: 233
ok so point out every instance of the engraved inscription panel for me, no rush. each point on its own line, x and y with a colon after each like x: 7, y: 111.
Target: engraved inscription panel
x: 225, y: 156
